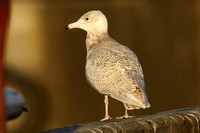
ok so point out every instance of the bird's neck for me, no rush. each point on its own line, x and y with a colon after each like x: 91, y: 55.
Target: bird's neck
x: 94, y: 39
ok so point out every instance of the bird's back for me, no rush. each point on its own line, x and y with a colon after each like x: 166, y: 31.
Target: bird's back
x: 113, y: 69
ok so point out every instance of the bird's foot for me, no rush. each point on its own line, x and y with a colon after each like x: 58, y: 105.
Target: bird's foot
x: 125, y: 117
x: 106, y: 118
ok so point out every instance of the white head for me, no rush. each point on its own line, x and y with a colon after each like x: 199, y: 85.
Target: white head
x: 91, y: 21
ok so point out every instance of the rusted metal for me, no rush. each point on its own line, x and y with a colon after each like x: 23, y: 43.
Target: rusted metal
x: 184, y: 120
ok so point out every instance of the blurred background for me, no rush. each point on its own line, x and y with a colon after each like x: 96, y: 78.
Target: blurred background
x: 47, y: 64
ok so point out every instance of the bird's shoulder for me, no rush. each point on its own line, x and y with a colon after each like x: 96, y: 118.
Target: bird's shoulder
x: 115, y: 53
x: 119, y: 57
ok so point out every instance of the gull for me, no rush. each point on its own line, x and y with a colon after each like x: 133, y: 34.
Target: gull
x: 15, y: 103
x: 111, y: 68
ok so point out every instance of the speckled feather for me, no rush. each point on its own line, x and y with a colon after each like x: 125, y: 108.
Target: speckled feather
x: 111, y: 68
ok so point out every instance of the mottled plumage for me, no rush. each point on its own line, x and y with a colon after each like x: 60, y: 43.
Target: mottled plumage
x: 111, y: 68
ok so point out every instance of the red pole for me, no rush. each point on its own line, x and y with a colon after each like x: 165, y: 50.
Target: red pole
x: 4, y: 12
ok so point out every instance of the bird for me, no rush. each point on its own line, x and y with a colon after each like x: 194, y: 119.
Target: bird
x: 111, y: 68
x: 14, y: 102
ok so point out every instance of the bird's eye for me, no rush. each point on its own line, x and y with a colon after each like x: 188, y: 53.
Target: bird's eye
x: 87, y: 19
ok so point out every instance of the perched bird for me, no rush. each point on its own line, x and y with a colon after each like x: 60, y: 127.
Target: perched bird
x: 111, y: 68
x: 15, y: 104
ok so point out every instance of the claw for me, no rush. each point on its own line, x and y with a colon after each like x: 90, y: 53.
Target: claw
x: 106, y: 118
x: 125, y: 117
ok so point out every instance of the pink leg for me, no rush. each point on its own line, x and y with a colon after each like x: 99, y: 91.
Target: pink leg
x: 107, y: 117
x: 125, y: 116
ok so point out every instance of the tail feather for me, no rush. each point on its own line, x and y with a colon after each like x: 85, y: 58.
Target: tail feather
x: 131, y: 107
x: 142, y: 100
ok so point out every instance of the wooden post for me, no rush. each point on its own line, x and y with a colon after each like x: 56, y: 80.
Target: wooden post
x: 174, y: 121
x: 3, y: 26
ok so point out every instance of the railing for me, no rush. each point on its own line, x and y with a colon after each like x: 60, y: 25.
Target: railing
x: 184, y: 120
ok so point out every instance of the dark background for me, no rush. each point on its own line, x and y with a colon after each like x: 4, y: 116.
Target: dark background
x: 47, y: 64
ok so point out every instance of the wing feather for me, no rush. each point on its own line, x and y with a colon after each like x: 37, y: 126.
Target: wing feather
x: 118, y: 73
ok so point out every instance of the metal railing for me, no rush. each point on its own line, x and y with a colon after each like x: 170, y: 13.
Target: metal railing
x: 184, y: 120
